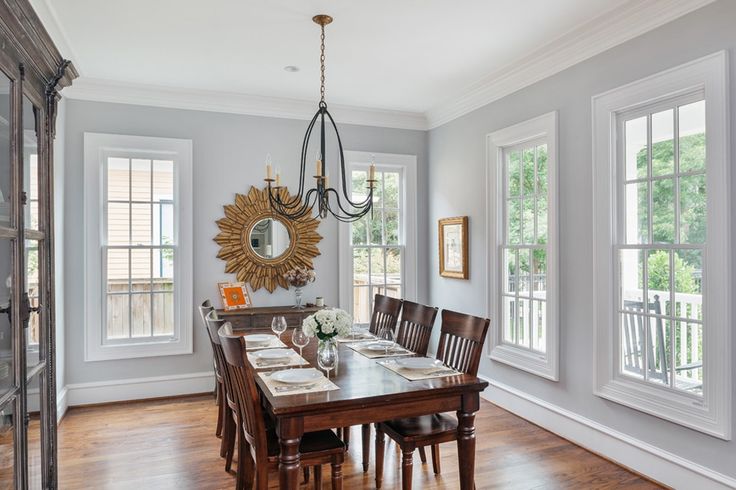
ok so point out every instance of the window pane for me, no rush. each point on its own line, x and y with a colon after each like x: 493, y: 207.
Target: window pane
x: 163, y: 180
x: 509, y: 269
x: 514, y: 173
x: 378, y: 191
x: 140, y: 268
x: 393, y: 266
x: 118, y: 179
x: 524, y: 323
x: 140, y: 180
x: 118, y: 309
x: 34, y: 296
x: 391, y: 227
x: 117, y: 270
x: 692, y: 137
x: 689, y: 357
x: 6, y: 200
x: 636, y: 148
x: 30, y: 165
x: 663, y: 211
x: 660, y: 351
x: 361, y: 305
x: 6, y: 328
x: 542, y: 169
x: 163, y: 313
x: 163, y: 269
x: 528, y: 167
x: 663, y: 142
x: 513, y: 221
x: 360, y: 266
x: 163, y: 224
x: 539, y: 277
x: 658, y: 270
x: 359, y: 231
x: 631, y: 279
x: 528, y: 221
x: 632, y: 338
x: 393, y: 291
x: 391, y: 190
x: 141, y: 224
x: 118, y: 223
x: 141, y: 315
x: 524, y: 271
x: 377, y: 266
x: 376, y: 228
x: 509, y: 319
x: 539, y: 325
x: 688, y: 284
x: 693, y: 209
x: 7, y: 446
x: 360, y: 188
x: 637, y: 206
x: 541, y: 220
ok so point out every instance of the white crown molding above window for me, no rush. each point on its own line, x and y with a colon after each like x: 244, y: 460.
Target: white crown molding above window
x: 625, y: 22
x: 233, y: 103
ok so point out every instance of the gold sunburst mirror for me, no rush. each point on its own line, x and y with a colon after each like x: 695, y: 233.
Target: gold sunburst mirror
x: 258, y: 246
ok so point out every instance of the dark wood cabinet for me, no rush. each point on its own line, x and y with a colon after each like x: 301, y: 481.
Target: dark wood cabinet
x: 259, y: 318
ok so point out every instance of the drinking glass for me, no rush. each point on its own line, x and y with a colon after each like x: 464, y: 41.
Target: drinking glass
x: 278, y: 325
x: 387, y: 334
x: 300, y: 339
x: 327, y: 355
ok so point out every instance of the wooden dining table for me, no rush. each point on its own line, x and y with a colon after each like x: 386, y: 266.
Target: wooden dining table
x: 370, y: 393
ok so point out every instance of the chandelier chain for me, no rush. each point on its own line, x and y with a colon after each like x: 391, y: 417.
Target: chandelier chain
x: 322, y: 66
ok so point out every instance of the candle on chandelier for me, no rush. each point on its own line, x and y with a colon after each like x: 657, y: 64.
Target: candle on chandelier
x: 278, y: 179
x: 319, y: 167
x: 372, y: 174
x: 268, y: 171
x: 327, y: 181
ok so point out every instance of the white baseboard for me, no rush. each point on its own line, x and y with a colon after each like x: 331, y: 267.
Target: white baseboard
x: 62, y: 403
x: 139, y: 388
x: 33, y: 403
x: 642, y: 457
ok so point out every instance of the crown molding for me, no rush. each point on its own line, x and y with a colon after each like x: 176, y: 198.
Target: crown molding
x: 47, y: 13
x: 234, y: 103
x: 615, y: 27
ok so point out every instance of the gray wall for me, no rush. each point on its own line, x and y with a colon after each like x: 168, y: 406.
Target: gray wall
x: 229, y: 154
x: 460, y: 145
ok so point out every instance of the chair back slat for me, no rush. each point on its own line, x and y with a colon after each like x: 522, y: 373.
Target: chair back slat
x: 461, y: 341
x: 204, y: 309
x: 385, y: 313
x: 415, y: 327
x: 213, y: 326
x: 250, y: 412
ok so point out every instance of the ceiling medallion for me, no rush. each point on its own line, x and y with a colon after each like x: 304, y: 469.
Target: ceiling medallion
x: 328, y: 200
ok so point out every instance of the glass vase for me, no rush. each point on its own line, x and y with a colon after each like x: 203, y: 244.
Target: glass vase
x: 298, y: 298
x: 327, y: 356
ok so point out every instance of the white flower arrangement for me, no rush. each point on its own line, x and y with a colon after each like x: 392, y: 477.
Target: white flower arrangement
x: 328, y: 323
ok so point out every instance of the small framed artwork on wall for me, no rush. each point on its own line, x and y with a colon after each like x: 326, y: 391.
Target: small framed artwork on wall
x: 234, y: 296
x: 453, y: 236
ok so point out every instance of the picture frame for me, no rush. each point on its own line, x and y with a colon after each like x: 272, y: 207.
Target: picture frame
x: 453, y: 242
x: 234, y: 296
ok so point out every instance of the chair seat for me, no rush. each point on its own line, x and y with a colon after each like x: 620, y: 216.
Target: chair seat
x: 322, y: 442
x: 419, y: 427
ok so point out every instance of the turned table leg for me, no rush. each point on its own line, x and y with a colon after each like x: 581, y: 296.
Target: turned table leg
x: 466, y: 440
x: 290, y: 434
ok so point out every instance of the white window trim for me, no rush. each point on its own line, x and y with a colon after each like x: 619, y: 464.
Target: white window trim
x: 711, y: 414
x: 96, y: 147
x: 408, y: 164
x: 545, y: 364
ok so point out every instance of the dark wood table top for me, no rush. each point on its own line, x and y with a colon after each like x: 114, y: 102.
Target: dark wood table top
x: 363, y: 382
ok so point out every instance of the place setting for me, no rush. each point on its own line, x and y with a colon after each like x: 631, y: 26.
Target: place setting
x: 418, y: 368
x: 277, y: 357
x: 297, y: 381
x: 382, y: 346
x: 357, y: 334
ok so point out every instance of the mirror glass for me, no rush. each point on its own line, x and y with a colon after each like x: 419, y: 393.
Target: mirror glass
x: 269, y: 238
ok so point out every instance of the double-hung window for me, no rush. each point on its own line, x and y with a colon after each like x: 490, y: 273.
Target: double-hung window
x: 377, y: 252
x: 662, y: 246
x: 139, y: 289
x: 522, y: 199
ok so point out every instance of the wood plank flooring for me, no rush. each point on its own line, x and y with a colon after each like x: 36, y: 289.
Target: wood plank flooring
x: 170, y: 444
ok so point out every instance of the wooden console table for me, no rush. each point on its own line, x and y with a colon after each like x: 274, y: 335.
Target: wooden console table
x: 259, y: 318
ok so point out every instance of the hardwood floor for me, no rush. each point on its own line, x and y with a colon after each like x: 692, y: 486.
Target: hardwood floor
x: 170, y: 444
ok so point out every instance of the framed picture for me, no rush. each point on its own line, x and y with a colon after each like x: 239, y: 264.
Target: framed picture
x: 453, y: 234
x: 234, y: 296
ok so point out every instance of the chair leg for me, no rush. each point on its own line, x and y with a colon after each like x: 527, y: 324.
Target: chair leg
x: 380, y: 446
x: 346, y: 437
x: 336, y: 474
x: 228, y: 441
x: 422, y: 454
x: 244, y: 475
x: 407, y: 467
x: 318, y: 477
x: 436, y: 458
x: 366, y: 446
x: 220, y: 409
x: 261, y: 477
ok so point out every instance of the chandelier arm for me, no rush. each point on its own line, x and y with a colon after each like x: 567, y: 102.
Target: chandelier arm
x: 346, y: 214
x: 302, y: 211
x: 342, y: 167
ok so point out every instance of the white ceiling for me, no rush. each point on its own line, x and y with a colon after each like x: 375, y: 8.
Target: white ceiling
x: 400, y: 55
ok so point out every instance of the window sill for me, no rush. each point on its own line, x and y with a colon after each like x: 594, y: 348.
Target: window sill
x: 526, y: 360
x: 112, y: 352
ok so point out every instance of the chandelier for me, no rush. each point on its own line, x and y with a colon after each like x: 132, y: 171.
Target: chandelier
x: 328, y: 200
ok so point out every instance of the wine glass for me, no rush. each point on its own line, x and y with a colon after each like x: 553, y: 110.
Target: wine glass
x: 300, y: 339
x: 387, y: 335
x: 278, y: 325
x: 327, y: 356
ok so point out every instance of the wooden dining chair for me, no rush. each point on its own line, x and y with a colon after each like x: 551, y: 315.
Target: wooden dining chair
x: 229, y: 420
x: 204, y: 310
x: 461, y: 344
x: 258, y: 449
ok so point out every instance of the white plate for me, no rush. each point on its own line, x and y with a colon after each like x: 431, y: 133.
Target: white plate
x: 297, y: 376
x: 418, y: 363
x: 381, y: 345
x: 273, y: 354
x: 258, y: 339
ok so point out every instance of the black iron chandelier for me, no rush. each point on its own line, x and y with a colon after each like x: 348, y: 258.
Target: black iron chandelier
x: 327, y: 199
